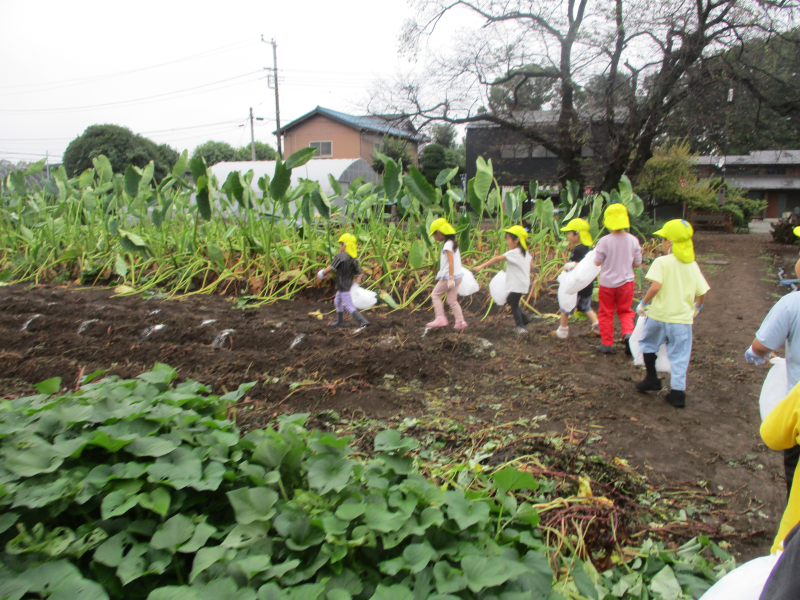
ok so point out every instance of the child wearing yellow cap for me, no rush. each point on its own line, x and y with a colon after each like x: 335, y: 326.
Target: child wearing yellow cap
x: 348, y: 272
x: 449, y: 276
x: 618, y: 254
x: 580, y: 240
x: 518, y: 272
x: 670, y: 305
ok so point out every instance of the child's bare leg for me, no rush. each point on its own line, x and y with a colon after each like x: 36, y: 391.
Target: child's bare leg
x: 565, y: 319
x: 592, y: 316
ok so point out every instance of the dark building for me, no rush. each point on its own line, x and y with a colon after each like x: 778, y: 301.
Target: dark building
x: 771, y: 175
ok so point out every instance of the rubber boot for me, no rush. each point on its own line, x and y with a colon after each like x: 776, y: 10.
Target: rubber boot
x: 677, y: 398
x: 360, y: 318
x: 339, y: 320
x: 526, y: 318
x: 626, y: 339
x: 651, y: 382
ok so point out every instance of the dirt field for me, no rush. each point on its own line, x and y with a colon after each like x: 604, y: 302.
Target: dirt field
x: 485, y: 374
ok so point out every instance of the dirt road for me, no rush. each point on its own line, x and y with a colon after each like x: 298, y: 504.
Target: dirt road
x: 486, y: 374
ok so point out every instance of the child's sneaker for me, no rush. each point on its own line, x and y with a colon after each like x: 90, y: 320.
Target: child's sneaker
x: 459, y: 326
x: 562, y: 333
x: 626, y: 339
x: 596, y: 328
x: 438, y: 322
x: 605, y: 349
x: 677, y: 398
x: 520, y: 330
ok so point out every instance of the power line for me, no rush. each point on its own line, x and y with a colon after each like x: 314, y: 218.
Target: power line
x: 132, y: 101
x: 71, y: 82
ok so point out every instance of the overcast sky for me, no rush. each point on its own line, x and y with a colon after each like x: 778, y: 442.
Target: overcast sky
x: 184, y: 72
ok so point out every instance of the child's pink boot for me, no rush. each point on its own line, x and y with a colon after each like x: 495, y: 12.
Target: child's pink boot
x: 438, y: 322
x: 460, y: 325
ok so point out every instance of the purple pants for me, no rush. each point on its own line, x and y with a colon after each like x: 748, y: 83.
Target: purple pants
x: 343, y: 301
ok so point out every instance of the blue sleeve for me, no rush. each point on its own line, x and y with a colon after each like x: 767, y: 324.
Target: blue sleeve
x: 775, y: 329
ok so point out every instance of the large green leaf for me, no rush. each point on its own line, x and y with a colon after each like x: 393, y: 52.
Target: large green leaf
x: 449, y: 580
x: 337, y: 189
x: 665, y: 585
x: 253, y: 504
x: 488, y: 571
x: 281, y: 180
x: 117, y: 503
x: 175, y: 532
x: 393, y: 592
x: 197, y: 165
x: 483, y: 178
x: 204, y: 558
x: 416, y: 256
x: 392, y: 179
x: 446, y: 175
x: 330, y: 473
x: 174, y: 592
x: 510, y: 479
x: 466, y: 512
x: 158, y: 501
x: 323, y: 208
x: 132, y: 178
x: 419, y: 187
x: 179, y: 170
x: 301, y: 157
x: 204, y: 204
x: 49, y: 386
x: 474, y: 201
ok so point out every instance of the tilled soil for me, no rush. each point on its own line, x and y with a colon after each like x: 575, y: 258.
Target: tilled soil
x: 485, y: 374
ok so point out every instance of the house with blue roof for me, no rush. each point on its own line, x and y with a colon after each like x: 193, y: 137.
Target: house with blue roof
x: 339, y: 135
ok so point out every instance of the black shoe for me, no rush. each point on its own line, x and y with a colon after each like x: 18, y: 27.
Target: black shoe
x: 677, y: 398
x: 649, y: 384
x: 526, y: 319
x: 359, y: 317
x: 605, y: 349
x: 626, y: 339
x: 339, y: 322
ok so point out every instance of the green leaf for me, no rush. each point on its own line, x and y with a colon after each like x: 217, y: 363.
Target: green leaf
x: 445, y: 176
x: 49, y: 386
x: 120, y: 268
x: 389, y: 440
x: 204, y: 558
x: 174, y: 592
x: 202, y: 532
x: 510, y: 479
x: 488, y: 571
x: 103, y: 167
x: 253, y: 504
x: 383, y: 520
x: 330, y: 473
x: 350, y: 511
x: 474, y: 201
x: 280, y: 181
x: 337, y: 189
x: 322, y: 208
x: 483, y: 178
x: 172, y: 534
x: 158, y: 501
x: 392, y: 592
x: 449, y: 580
x: 179, y: 170
x: 417, y: 556
x: 151, y: 446
x: 198, y: 167
x: 666, y: 585
x: 392, y: 178
x: 203, y: 204
x: 132, y: 178
x: 417, y: 254
x: 466, y: 512
x: 301, y: 157
x: 419, y: 187
x: 387, y: 299
x: 117, y: 503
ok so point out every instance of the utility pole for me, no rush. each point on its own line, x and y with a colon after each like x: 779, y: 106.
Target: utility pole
x: 277, y: 103
x: 253, y: 135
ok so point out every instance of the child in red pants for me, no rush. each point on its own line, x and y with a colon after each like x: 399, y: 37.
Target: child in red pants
x: 618, y: 254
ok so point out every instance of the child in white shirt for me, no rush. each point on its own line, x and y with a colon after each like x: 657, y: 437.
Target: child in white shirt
x: 449, y: 276
x: 518, y: 272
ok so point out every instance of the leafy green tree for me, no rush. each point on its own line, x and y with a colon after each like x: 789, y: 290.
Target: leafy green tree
x: 121, y: 146
x: 215, y: 152
x: 669, y: 177
x: 444, y: 134
x: 436, y: 157
x: 395, y: 148
x: 263, y: 152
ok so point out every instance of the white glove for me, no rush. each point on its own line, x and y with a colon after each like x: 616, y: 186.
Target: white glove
x: 570, y: 265
x: 751, y: 357
x: 641, y: 310
x: 450, y: 283
x: 321, y: 274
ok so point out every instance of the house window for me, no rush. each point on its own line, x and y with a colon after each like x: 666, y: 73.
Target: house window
x: 515, y: 151
x: 324, y: 149
x: 541, y: 152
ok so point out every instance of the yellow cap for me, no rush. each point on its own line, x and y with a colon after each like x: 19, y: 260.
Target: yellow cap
x: 616, y: 217
x: 680, y: 233
x: 349, y: 240
x: 581, y: 227
x: 442, y: 225
x: 521, y: 234
x: 796, y: 231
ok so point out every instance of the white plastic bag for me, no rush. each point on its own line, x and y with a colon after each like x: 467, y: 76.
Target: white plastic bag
x: 775, y: 387
x: 662, y: 362
x: 362, y: 299
x: 497, y: 288
x: 469, y: 285
x: 566, y: 302
x: 745, y: 583
x: 582, y: 275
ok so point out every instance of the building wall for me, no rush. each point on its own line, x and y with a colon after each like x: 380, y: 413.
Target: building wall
x: 346, y: 142
x: 489, y: 142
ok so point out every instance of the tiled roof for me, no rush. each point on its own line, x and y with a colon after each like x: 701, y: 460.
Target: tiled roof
x: 372, y: 123
x: 759, y: 157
